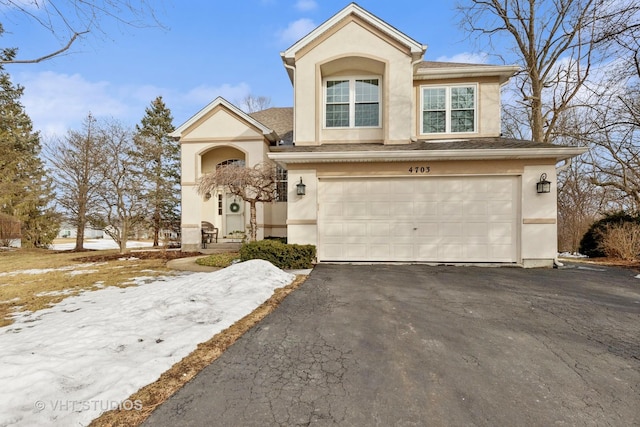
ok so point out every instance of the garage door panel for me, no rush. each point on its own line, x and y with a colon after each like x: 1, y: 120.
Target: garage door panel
x: 449, y: 209
x: 440, y: 219
x: 425, y: 209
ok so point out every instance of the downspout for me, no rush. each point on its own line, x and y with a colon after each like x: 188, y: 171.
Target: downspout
x: 293, y: 82
x: 567, y: 163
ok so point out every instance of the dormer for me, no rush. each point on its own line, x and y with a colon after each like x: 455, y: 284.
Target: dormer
x: 352, y: 79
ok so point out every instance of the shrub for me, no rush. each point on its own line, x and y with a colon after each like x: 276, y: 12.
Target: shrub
x: 621, y: 240
x: 591, y: 243
x: 218, y: 260
x: 281, y: 255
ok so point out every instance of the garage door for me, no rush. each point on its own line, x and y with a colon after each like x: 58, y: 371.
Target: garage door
x: 431, y: 219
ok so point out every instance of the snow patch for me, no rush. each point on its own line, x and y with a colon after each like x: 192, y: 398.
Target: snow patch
x: 67, y: 364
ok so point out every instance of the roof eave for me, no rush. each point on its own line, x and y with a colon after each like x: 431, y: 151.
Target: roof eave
x: 556, y: 153
x: 502, y: 71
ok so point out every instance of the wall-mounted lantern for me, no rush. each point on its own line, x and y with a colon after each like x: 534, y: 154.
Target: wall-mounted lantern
x: 207, y: 196
x: 543, y: 186
x: 300, y: 188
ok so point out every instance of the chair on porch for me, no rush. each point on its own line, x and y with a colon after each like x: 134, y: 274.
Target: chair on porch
x: 209, y: 233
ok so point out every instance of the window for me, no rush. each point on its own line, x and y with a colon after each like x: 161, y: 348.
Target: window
x: 450, y: 109
x: 231, y: 162
x: 281, y: 184
x: 352, y: 102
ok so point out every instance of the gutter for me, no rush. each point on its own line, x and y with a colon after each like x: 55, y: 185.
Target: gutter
x: 558, y: 153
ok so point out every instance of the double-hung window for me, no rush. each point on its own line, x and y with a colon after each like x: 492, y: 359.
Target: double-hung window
x: 449, y: 109
x: 352, y: 102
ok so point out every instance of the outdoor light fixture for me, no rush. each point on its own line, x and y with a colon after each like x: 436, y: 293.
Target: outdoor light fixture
x: 207, y: 195
x: 300, y: 187
x: 543, y: 186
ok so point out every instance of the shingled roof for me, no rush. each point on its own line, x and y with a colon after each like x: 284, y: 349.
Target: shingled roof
x: 279, y: 119
x: 496, y: 143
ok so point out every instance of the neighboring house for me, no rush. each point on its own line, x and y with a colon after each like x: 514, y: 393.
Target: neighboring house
x: 402, y: 158
x: 69, y: 231
x: 10, y: 233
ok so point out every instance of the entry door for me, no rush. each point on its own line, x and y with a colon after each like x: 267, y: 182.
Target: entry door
x: 234, y: 214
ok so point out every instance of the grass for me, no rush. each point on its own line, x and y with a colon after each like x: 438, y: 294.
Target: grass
x: 219, y: 260
x: 59, y: 275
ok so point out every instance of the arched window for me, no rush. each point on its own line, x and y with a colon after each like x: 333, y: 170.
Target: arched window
x: 231, y: 162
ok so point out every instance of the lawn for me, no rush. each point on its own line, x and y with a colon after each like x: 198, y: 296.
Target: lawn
x: 34, y: 279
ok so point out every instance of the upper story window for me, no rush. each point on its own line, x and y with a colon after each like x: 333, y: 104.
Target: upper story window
x: 449, y: 109
x: 352, y: 102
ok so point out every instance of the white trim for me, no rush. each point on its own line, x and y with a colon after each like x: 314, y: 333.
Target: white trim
x: 558, y: 153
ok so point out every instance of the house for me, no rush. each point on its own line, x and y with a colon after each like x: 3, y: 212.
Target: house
x: 10, y: 233
x: 401, y: 159
x: 69, y: 231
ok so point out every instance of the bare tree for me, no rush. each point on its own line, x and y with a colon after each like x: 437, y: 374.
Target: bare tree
x: 253, y: 185
x: 557, y: 42
x: 251, y: 104
x: 77, y: 161
x: 122, y: 204
x: 580, y: 203
x: 70, y: 20
x: 614, y: 130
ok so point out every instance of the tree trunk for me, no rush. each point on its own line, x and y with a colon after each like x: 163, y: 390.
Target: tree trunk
x: 81, y: 223
x: 253, y: 223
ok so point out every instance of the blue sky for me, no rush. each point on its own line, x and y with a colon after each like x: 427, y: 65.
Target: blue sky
x: 208, y: 48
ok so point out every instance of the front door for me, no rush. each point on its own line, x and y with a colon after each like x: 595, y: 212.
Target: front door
x: 234, y: 214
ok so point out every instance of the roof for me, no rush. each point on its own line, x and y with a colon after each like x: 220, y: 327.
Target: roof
x: 426, y: 70
x: 454, y: 149
x: 280, y: 119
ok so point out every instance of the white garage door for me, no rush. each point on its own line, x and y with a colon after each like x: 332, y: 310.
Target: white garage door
x: 437, y: 219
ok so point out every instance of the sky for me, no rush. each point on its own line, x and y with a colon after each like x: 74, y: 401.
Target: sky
x: 201, y: 50
x: 66, y: 364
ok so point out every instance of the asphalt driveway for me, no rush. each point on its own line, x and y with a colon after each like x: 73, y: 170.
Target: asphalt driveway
x: 404, y: 345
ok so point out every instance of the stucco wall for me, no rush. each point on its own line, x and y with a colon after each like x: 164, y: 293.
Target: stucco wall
x: 354, y: 46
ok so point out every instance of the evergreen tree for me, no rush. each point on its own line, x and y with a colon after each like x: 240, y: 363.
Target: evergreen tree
x: 26, y: 192
x: 159, y: 158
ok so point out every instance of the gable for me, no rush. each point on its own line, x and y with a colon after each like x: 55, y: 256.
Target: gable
x: 221, y: 123
x: 345, y: 21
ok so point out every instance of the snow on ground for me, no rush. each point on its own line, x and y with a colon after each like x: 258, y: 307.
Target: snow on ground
x: 67, y: 364
x: 99, y: 244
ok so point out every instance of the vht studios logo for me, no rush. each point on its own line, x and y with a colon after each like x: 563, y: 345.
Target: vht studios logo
x: 86, y: 405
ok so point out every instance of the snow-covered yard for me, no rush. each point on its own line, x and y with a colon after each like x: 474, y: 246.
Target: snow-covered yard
x: 99, y: 244
x: 67, y: 364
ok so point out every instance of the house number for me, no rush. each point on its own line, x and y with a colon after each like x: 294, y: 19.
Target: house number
x: 420, y: 169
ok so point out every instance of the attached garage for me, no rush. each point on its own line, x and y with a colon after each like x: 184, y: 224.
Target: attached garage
x: 425, y: 219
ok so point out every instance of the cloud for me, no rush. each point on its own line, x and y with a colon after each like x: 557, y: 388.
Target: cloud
x: 306, y: 5
x: 59, y: 102
x: 466, y: 58
x: 296, y: 30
